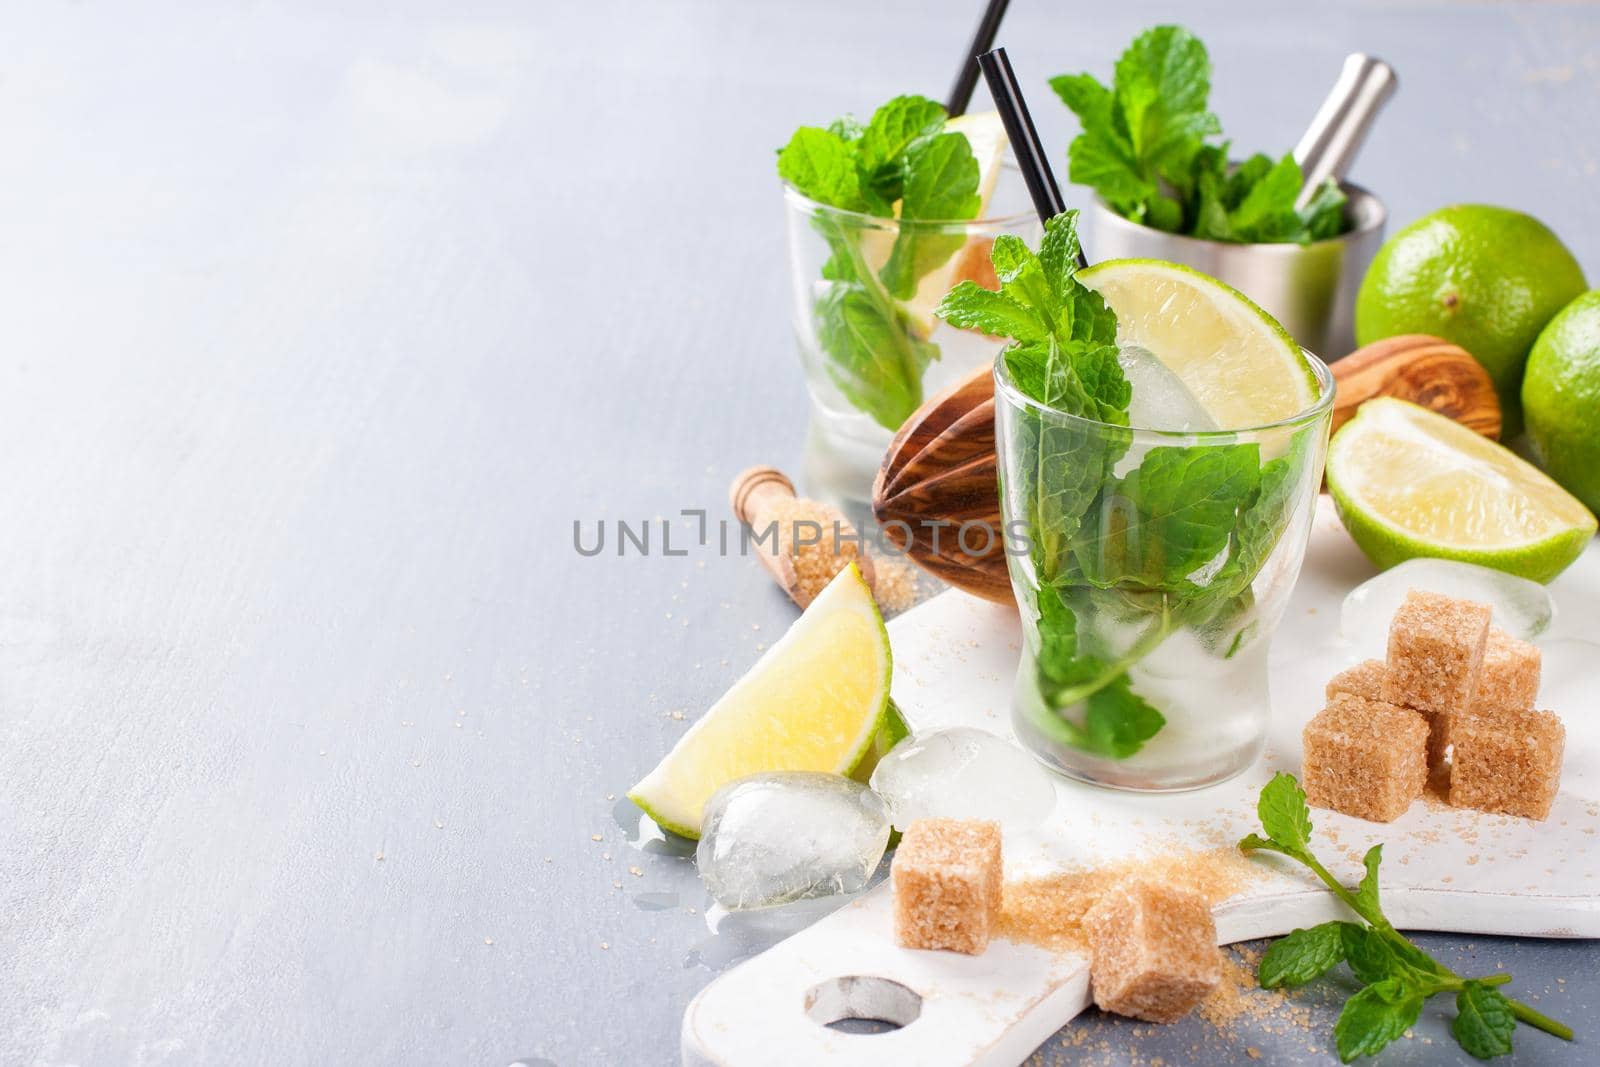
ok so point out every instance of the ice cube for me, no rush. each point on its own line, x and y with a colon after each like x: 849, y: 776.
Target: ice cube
x: 963, y: 773
x: 773, y: 838
x: 1160, y: 399
x: 1521, y: 608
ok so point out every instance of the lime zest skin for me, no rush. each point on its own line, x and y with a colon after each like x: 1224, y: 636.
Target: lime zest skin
x: 1359, y: 472
x: 731, y: 740
x: 1229, y: 348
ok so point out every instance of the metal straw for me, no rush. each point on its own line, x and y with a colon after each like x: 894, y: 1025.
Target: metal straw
x: 1025, y: 143
x: 982, y: 41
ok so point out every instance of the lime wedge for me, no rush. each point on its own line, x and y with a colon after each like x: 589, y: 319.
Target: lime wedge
x: 1240, y: 365
x: 986, y: 133
x: 1408, y: 482
x: 893, y: 730
x: 815, y: 701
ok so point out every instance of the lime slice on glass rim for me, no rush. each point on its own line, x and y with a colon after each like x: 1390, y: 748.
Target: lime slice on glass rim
x: 1408, y: 482
x: 1240, y: 365
x: 817, y: 700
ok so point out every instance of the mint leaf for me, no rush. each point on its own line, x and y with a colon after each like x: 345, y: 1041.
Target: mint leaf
x: 1302, y: 955
x: 1367, y: 891
x: 1107, y: 167
x: 1093, y: 103
x: 941, y: 183
x: 972, y: 307
x: 1238, y: 181
x: 1171, y: 515
x: 1117, y: 721
x: 1144, y: 147
x: 887, y: 138
x: 1266, y: 212
x: 1261, y: 523
x: 1323, y: 216
x: 941, y: 179
x: 1374, y: 1017
x: 1372, y: 958
x: 1021, y: 275
x: 1058, y: 639
x: 1144, y: 130
x: 1400, y: 976
x: 821, y: 165
x: 1207, y: 195
x: 1284, y: 813
x: 1058, y: 259
x: 1075, y: 367
x: 1484, y: 1022
x: 874, y: 360
x: 1102, y: 156
x: 1162, y: 82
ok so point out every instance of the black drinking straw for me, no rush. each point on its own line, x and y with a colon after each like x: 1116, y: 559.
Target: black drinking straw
x: 1024, y: 138
x: 982, y: 41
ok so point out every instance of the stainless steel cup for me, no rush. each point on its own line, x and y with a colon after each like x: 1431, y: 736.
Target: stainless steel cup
x: 1311, y: 288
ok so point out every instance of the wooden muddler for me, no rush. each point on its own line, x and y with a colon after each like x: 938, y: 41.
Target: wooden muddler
x: 763, y: 495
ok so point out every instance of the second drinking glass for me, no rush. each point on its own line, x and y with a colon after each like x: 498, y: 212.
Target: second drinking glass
x: 864, y: 289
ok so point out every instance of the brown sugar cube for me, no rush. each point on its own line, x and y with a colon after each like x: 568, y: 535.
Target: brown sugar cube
x: 947, y: 880
x: 1152, y: 951
x: 1508, y: 762
x: 1435, y: 652
x: 1509, y: 680
x: 1365, y: 758
x: 1365, y: 679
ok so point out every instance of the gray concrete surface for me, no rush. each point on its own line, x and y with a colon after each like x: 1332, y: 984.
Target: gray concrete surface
x: 324, y: 322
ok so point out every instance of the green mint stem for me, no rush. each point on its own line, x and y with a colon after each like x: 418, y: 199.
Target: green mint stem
x: 1376, y: 919
x: 1539, y: 1020
x: 1146, y: 644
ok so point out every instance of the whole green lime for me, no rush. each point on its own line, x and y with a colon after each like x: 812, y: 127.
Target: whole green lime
x: 1487, y: 278
x: 1561, y: 398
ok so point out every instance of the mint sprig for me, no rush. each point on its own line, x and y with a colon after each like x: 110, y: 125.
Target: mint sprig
x: 900, y: 165
x: 1064, y: 355
x: 1144, y: 148
x: 1108, y: 547
x: 1397, y: 976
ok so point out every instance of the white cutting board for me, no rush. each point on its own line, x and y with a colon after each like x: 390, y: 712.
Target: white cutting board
x: 955, y: 659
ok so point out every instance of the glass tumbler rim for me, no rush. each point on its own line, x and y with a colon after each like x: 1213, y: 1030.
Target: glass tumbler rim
x: 1320, y: 408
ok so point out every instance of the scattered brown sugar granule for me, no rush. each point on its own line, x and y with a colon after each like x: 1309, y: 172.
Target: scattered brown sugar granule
x: 1509, y: 680
x: 894, y: 583
x: 1435, y: 652
x: 1507, y: 762
x: 1365, y: 679
x: 1152, y: 951
x: 806, y: 534
x: 947, y: 884
x: 893, y: 579
x: 1365, y: 758
x: 1049, y: 911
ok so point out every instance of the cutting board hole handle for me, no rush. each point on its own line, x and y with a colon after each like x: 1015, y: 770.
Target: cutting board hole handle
x: 862, y: 1004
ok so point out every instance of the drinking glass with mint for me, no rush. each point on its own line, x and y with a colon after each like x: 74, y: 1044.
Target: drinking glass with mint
x: 1160, y: 443
x: 883, y: 218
